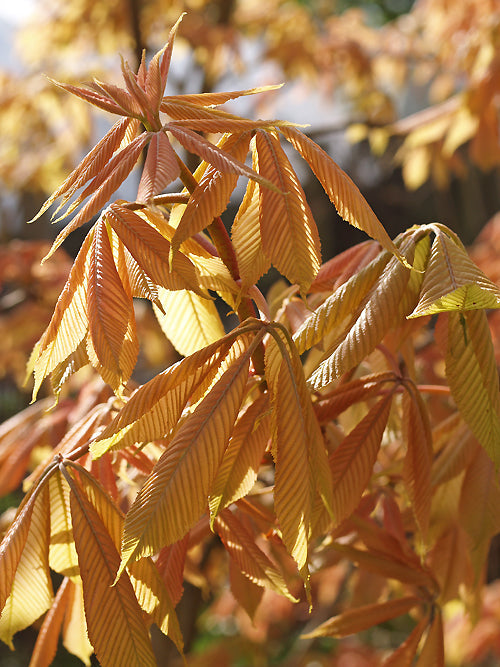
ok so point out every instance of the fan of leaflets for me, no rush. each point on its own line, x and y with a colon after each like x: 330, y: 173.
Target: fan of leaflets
x: 193, y: 438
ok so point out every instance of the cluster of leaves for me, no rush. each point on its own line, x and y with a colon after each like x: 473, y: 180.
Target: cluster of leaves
x: 302, y: 438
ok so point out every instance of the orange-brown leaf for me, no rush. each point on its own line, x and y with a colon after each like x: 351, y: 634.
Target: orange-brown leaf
x: 160, y: 169
x: 48, y: 635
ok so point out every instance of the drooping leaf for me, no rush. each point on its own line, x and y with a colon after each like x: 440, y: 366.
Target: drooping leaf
x: 170, y: 565
x: 75, y: 636
x: 62, y: 553
x: 196, y: 323
x: 69, y: 323
x: 212, y: 195
x: 160, y: 168
x: 154, y: 409
x: 46, y: 644
x: 352, y: 462
x: 419, y: 455
x: 353, y: 621
x: 453, y: 282
x: 151, y: 250
x: 28, y: 579
x: 345, y: 195
x: 247, y: 594
x: 238, y: 471
x: 373, y: 320
x: 432, y: 653
x: 112, y: 343
x: 289, y: 235
x: 240, y: 543
x: 404, y: 655
x: 472, y: 374
x: 176, y: 493
x: 126, y: 640
x: 246, y: 238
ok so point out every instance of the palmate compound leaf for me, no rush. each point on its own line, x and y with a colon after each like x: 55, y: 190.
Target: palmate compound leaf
x: 176, y: 493
x: 126, y: 640
x: 69, y: 323
x: 452, y: 282
x: 25, y: 584
x: 212, y: 195
x: 465, y: 342
x: 240, y: 543
x: 379, y: 312
x: 112, y: 344
x: 289, y: 234
x: 343, y: 193
x: 155, y: 408
x: 188, y: 321
x: 356, y: 620
x: 301, y: 465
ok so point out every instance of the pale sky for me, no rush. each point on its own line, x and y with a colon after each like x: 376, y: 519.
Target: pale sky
x: 16, y: 11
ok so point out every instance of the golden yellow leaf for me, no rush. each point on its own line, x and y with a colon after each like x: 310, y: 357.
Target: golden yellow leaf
x: 356, y: 620
x: 69, y: 323
x: 75, y: 637
x: 30, y: 587
x: 126, y: 640
x: 471, y: 371
x: 176, y: 493
x: 188, y: 321
x: 345, y: 195
x: 239, y: 468
x: 62, y: 553
x: 289, y: 235
x: 453, y: 282
x: 112, y: 344
x: 241, y: 546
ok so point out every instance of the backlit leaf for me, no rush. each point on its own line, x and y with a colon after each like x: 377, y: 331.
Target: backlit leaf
x: 62, y: 553
x: 356, y: 620
x: 345, y: 195
x: 160, y: 168
x: 432, y: 654
x: 196, y: 323
x: 472, y: 374
x: 125, y: 641
x: 453, y: 282
x: 175, y: 494
x: 48, y: 636
x: 31, y: 587
x: 75, y: 638
x: 289, y: 235
x: 404, y: 655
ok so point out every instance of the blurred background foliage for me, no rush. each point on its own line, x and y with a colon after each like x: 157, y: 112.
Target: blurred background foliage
x: 403, y: 94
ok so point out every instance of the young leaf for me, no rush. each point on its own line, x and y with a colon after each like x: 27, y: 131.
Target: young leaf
x: 175, y: 494
x: 345, y: 195
x: 112, y: 344
x: 27, y: 573
x: 238, y: 471
x: 289, y: 235
x: 404, y: 655
x: 356, y: 620
x: 240, y: 543
x: 126, y: 640
x: 472, y: 375
x: 160, y: 169
x: 453, y: 282
x: 196, y: 323
x: 433, y: 649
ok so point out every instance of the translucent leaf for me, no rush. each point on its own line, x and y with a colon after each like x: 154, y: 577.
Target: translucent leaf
x: 175, y: 494
x: 160, y: 168
x: 404, y: 655
x: 75, y: 638
x: 346, y: 197
x: 112, y: 344
x: 238, y: 471
x: 241, y: 545
x: 453, y: 282
x: 356, y: 620
x: 246, y: 238
x: 465, y: 341
x: 30, y: 587
x: 196, y: 323
x: 154, y: 409
x: 69, y: 323
x: 46, y: 644
x: 289, y: 235
x: 419, y: 455
x: 170, y: 565
x: 352, y: 462
x: 433, y: 649
x: 62, y: 553
x: 215, y: 99
x: 126, y: 640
